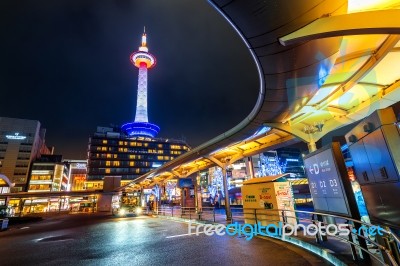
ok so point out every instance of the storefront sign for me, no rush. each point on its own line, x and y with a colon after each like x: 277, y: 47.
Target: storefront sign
x: 15, y: 136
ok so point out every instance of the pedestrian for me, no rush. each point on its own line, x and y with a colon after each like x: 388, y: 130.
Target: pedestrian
x: 211, y: 200
x: 216, y: 201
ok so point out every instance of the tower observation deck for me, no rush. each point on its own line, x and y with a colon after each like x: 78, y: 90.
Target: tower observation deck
x: 143, y: 60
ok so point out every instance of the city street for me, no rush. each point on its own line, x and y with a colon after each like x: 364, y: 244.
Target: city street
x: 98, y: 239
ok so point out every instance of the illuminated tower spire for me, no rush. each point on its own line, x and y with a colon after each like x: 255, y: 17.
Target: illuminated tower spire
x: 143, y: 60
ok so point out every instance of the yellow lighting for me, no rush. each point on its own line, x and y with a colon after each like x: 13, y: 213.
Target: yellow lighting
x: 386, y: 72
x: 355, y: 96
x: 368, y: 5
x: 356, y: 43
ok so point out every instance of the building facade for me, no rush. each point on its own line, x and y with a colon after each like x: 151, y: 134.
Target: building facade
x: 49, y: 173
x: 21, y: 142
x: 78, y: 174
x: 113, y: 153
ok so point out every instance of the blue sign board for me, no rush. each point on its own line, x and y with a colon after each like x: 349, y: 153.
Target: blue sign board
x: 185, y: 182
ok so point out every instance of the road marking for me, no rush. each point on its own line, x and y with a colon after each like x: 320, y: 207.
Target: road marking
x: 178, y: 235
x: 26, y: 227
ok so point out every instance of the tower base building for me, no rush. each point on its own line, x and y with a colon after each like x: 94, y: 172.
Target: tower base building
x: 112, y: 152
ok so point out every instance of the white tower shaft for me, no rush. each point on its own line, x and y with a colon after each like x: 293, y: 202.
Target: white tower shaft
x: 141, y: 104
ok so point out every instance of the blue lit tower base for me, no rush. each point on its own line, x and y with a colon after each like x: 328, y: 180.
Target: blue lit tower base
x: 141, y: 129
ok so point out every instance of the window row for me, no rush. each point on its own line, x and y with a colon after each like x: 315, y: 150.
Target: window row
x: 138, y: 144
x: 118, y: 170
x: 143, y: 151
x: 41, y: 177
x: 130, y: 157
x: 39, y: 187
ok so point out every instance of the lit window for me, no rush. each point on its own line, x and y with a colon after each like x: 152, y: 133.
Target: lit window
x: 104, y: 148
x: 131, y: 163
x: 108, y: 155
x: 133, y: 143
x: 160, y: 145
x: 139, y: 144
x: 108, y: 163
x: 108, y: 170
x: 160, y: 157
x: 115, y: 156
x: 116, y: 163
x: 104, y: 141
x: 146, y: 144
x: 125, y: 143
x: 120, y: 143
x: 131, y: 156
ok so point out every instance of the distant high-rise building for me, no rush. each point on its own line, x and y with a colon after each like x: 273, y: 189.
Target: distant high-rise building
x: 21, y: 142
x: 131, y: 150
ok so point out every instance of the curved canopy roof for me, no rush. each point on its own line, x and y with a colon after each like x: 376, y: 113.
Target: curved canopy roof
x: 322, y: 65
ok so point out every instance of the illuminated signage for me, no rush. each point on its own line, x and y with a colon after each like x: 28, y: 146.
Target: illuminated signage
x: 156, y: 164
x: 147, y: 191
x: 15, y: 136
x: 79, y: 166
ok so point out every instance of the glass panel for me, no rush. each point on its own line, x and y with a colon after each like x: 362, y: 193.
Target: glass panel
x: 343, y: 71
x: 386, y: 72
x: 321, y: 94
x: 356, y: 96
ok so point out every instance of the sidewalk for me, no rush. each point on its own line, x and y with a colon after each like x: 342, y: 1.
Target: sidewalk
x: 334, y: 250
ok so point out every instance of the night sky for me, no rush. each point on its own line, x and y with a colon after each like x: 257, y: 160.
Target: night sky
x: 66, y: 64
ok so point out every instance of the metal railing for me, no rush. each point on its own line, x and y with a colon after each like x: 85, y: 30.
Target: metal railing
x: 359, y: 231
x: 384, y: 249
x: 207, y: 214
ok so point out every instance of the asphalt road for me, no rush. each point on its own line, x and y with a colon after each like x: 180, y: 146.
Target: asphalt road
x: 94, y: 239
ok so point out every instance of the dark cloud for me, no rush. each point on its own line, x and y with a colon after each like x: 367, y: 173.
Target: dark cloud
x: 66, y: 64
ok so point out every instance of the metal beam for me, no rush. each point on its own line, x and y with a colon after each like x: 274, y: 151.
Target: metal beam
x: 216, y: 161
x: 371, y: 22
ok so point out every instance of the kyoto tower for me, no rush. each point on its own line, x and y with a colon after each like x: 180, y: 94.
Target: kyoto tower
x: 143, y: 60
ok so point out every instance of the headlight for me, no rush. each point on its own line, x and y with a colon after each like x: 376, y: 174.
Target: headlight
x: 121, y: 211
x: 138, y: 210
